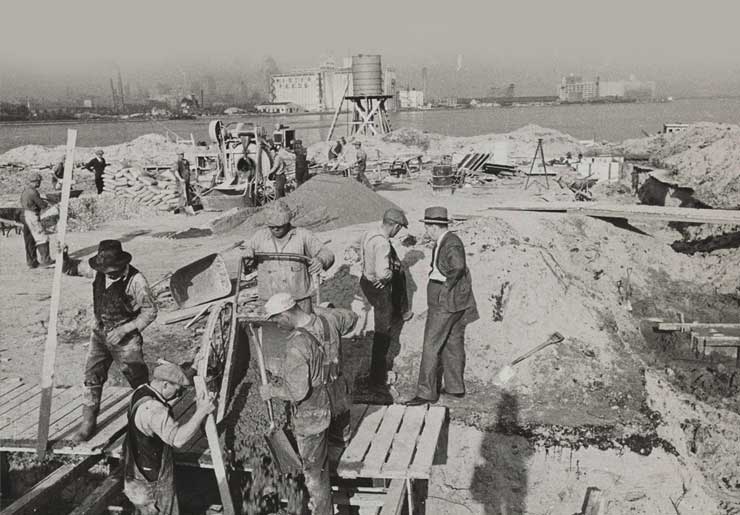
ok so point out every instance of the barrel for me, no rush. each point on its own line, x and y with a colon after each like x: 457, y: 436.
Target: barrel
x: 442, y: 176
x: 367, y: 76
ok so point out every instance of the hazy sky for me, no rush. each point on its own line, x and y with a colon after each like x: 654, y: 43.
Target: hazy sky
x: 687, y: 47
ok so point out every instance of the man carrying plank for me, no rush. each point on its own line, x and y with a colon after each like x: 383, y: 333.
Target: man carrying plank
x: 153, y: 434
x: 123, y: 306
x: 304, y: 380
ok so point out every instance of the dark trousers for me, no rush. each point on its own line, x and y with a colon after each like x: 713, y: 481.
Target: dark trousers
x: 301, y: 175
x: 99, y: 182
x: 280, y: 181
x: 30, y: 245
x: 381, y: 300
x: 444, y: 346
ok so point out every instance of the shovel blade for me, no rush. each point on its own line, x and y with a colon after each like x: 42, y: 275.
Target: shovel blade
x: 283, y: 454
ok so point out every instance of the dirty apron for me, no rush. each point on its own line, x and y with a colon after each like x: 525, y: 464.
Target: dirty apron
x: 283, y: 275
x: 153, y: 495
x: 32, y: 220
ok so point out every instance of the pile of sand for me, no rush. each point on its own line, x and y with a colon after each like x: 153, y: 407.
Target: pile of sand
x: 328, y: 202
x: 87, y: 213
x: 705, y: 158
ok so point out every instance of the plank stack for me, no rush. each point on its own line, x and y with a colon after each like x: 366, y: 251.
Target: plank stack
x: 161, y: 192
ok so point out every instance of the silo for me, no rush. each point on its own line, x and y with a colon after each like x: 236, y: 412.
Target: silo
x: 367, y: 76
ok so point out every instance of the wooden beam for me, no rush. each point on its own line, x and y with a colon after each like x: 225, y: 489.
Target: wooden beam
x: 216, y: 455
x: 630, y: 212
x: 594, y: 502
x: 393, y: 504
x: 678, y: 326
x: 98, y: 500
x: 50, y: 349
x: 44, y: 491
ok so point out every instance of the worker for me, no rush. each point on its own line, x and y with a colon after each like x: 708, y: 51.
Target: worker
x: 361, y: 165
x: 287, y: 275
x: 57, y: 174
x: 151, y: 436
x: 97, y: 165
x: 301, y: 163
x: 383, y: 282
x: 181, y: 169
x: 35, y: 238
x: 282, y: 163
x: 336, y: 150
x: 123, y: 306
x: 451, y: 306
x: 302, y: 378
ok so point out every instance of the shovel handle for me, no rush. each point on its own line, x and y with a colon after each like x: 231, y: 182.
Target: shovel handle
x: 554, y: 338
x: 261, y: 361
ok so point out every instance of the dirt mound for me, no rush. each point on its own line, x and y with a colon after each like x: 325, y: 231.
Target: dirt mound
x: 89, y: 213
x: 704, y: 157
x: 328, y: 202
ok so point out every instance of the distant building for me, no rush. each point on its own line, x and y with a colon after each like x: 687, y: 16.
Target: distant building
x: 410, y: 99
x: 322, y: 88
x: 279, y: 108
x: 87, y: 103
x: 670, y: 128
x: 574, y: 89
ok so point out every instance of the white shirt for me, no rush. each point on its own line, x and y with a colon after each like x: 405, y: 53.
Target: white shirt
x: 435, y: 274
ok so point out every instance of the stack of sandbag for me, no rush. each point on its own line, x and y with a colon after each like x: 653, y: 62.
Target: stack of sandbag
x: 161, y: 192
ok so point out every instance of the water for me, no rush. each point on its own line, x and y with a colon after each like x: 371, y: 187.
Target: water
x: 612, y: 122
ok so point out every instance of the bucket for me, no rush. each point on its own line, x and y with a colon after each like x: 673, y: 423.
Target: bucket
x: 442, y: 176
x: 201, y: 281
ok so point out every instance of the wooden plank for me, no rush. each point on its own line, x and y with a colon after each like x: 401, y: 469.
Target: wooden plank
x: 42, y: 492
x: 27, y: 421
x: 405, y: 443
x: 69, y: 418
x: 214, y: 445
x: 227, y: 378
x: 630, y: 212
x: 18, y: 398
x: 111, y: 423
x: 677, y: 326
x: 100, y: 498
x: 8, y: 385
x: 393, y: 504
x: 50, y: 348
x: 381, y: 444
x: 356, y: 413
x: 421, y: 467
x: 351, y: 460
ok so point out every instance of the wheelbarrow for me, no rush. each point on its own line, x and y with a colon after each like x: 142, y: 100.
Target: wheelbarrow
x: 201, y: 281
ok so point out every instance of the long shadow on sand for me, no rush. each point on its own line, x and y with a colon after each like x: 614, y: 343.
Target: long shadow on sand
x: 79, y: 253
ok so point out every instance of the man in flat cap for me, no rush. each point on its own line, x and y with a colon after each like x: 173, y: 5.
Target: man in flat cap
x: 304, y: 379
x: 451, y: 306
x: 383, y: 283
x: 152, y: 435
x: 35, y: 238
x: 181, y: 169
x: 123, y: 306
x: 97, y: 165
x: 361, y: 165
x: 287, y: 256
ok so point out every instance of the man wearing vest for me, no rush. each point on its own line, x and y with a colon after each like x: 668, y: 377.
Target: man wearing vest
x: 35, y: 238
x: 97, y: 165
x: 384, y: 285
x: 451, y: 306
x: 151, y: 436
x: 305, y: 380
x: 290, y: 274
x: 123, y: 306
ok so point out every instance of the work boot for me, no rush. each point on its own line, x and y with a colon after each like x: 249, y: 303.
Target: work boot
x: 87, y: 425
x: 44, y: 257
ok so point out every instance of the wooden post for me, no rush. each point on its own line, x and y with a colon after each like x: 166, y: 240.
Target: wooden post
x: 216, y: 455
x: 336, y: 113
x: 50, y: 349
x: 594, y: 502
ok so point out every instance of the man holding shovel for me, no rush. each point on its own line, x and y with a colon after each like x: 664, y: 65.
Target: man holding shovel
x: 303, y: 380
x: 451, y: 306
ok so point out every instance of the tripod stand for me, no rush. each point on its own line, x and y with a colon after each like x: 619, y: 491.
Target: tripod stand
x: 531, y: 173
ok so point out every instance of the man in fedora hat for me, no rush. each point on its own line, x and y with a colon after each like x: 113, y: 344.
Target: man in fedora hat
x: 152, y: 434
x: 305, y: 256
x: 305, y: 381
x: 123, y: 306
x: 35, y: 238
x: 383, y: 282
x: 451, y: 306
x: 97, y: 165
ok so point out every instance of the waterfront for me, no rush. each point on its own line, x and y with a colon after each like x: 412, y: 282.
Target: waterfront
x: 612, y: 122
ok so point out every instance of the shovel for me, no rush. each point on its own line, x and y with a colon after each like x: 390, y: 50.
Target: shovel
x: 507, y: 373
x: 283, y: 454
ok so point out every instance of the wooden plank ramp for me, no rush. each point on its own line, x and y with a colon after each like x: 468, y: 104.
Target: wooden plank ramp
x: 100, y: 498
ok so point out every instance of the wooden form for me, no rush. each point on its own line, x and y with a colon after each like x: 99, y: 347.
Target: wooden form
x: 50, y: 348
x: 630, y: 212
x: 709, y: 337
x: 690, y: 326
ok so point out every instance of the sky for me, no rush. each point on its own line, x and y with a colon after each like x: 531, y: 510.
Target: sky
x: 687, y: 48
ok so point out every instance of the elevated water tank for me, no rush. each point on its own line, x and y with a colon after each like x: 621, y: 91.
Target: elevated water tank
x: 367, y: 76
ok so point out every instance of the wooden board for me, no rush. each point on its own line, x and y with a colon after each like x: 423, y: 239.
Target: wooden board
x: 42, y: 492
x: 393, y: 504
x: 8, y: 385
x: 421, y: 467
x: 99, y: 499
x: 630, y: 212
x: 351, y: 460
x: 404, y: 444
x: 679, y: 326
x: 381, y: 443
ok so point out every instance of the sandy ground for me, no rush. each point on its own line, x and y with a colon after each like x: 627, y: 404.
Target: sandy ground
x: 611, y: 407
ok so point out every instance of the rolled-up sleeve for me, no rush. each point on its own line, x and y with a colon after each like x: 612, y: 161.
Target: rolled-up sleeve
x: 142, y: 298
x: 381, y: 251
x: 153, y: 418
x: 315, y: 249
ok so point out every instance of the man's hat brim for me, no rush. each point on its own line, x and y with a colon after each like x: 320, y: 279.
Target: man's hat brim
x: 438, y: 221
x: 121, y: 261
